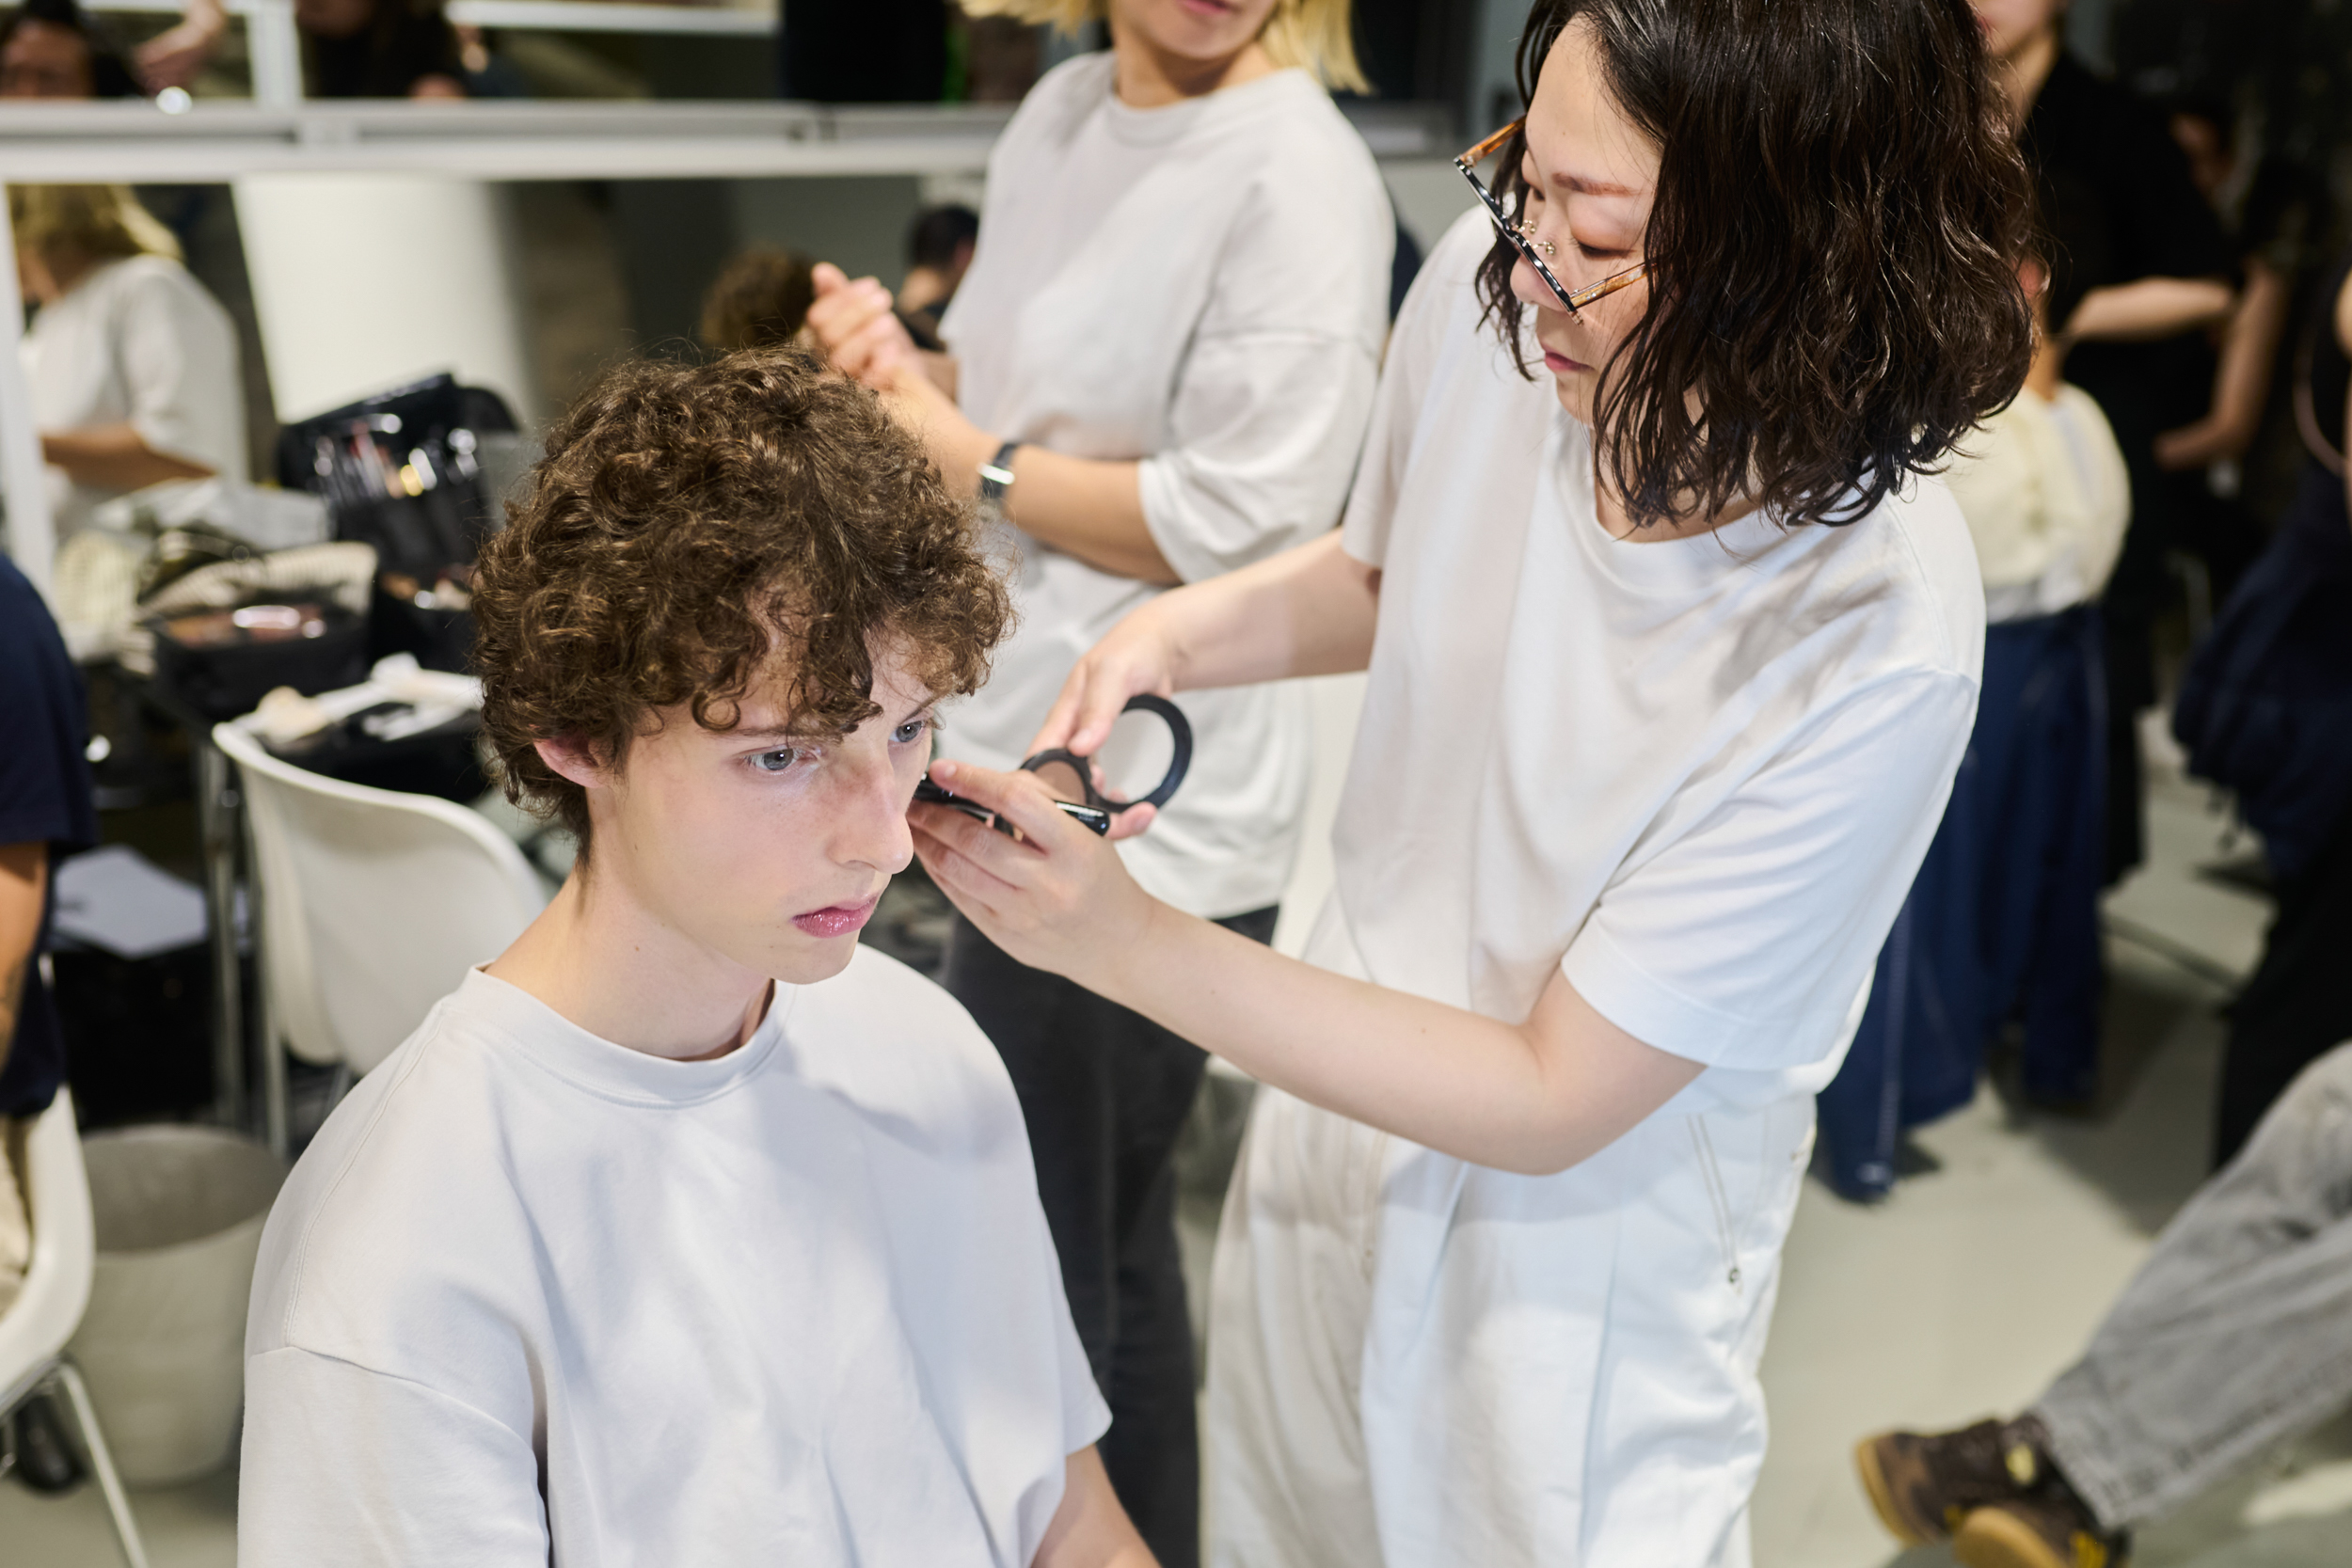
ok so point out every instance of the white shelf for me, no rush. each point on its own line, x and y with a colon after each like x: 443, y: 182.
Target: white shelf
x: 597, y: 16
x: 551, y: 16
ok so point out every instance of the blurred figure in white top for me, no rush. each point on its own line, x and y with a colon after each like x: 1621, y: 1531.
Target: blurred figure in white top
x: 133, y: 367
x: 2002, y: 925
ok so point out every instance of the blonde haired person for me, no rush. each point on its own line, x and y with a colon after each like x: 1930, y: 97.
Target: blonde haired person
x: 133, y: 367
x: 1165, y: 351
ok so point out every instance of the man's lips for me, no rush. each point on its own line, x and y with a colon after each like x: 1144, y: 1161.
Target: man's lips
x: 837, y: 920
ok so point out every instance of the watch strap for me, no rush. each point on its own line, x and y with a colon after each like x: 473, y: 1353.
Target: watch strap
x: 996, y: 476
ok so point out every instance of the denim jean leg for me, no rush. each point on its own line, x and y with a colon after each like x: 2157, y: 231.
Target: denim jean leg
x: 2236, y: 1333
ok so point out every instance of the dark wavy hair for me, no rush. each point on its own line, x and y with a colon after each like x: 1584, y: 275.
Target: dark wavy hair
x: 1832, y: 249
x: 692, y: 529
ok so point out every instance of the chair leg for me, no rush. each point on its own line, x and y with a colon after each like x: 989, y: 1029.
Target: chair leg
x: 103, y: 1461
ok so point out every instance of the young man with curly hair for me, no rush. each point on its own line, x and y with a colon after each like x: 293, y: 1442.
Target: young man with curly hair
x: 687, y: 1231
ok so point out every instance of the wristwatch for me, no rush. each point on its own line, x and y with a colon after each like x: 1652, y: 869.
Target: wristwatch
x: 995, y: 478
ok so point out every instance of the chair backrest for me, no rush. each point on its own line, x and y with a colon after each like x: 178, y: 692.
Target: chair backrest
x: 373, y: 903
x: 65, y: 1252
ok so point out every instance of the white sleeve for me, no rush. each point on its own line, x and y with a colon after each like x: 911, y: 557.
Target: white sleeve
x: 351, y: 1467
x: 180, y: 363
x: 1434, y: 307
x: 1268, y: 411
x: 1744, y: 942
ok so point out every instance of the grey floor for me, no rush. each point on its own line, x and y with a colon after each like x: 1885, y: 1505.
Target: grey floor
x: 1959, y: 1296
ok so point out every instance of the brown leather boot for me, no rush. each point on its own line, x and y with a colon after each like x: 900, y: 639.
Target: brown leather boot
x: 1925, y: 1484
x: 2050, y: 1529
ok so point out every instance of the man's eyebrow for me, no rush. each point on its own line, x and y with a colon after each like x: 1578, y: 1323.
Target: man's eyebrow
x: 794, y: 731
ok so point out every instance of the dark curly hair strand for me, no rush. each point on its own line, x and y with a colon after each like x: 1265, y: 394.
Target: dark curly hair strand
x: 1832, y: 249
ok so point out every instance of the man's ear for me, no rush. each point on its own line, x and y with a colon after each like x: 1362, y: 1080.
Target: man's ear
x: 574, y: 757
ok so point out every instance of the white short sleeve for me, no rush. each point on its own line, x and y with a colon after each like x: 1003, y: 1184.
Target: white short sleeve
x: 180, y: 366
x: 1439, y: 313
x: 1264, y: 425
x: 1744, y: 942
x: 347, y: 1466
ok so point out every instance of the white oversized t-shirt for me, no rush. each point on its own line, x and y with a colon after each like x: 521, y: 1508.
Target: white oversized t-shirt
x: 1695, y: 775
x: 531, y: 1296
x: 137, y: 342
x: 1202, y: 287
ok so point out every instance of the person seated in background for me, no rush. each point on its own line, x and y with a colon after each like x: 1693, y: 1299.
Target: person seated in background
x: 2235, y: 1334
x: 132, y: 365
x: 52, y: 49
x: 759, y: 300
x: 351, y: 49
x: 46, y: 811
x: 940, y: 242
x: 689, y: 1231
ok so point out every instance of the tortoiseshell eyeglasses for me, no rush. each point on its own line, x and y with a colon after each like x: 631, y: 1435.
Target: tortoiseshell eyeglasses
x: 1521, y: 234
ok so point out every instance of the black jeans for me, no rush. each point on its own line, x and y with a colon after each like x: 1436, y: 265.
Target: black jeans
x: 1105, y: 1092
x: 2298, y: 1006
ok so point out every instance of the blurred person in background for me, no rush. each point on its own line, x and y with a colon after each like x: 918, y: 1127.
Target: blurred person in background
x: 46, y: 812
x: 2002, y: 925
x: 1163, y: 362
x: 940, y: 242
x: 2234, y: 1337
x: 2277, y: 215
x: 133, y: 367
x: 759, y: 300
x: 2265, y: 711
x: 2138, y: 260
x: 350, y: 49
x: 52, y: 49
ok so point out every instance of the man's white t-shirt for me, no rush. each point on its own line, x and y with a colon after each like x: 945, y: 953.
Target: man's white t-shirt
x: 1202, y: 287
x: 531, y: 1296
x: 1695, y: 775
x: 140, y: 342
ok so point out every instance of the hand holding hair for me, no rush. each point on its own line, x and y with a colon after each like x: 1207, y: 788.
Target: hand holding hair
x: 853, y: 325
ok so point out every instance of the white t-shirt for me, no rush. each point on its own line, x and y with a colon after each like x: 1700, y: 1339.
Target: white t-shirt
x: 2047, y: 498
x: 140, y: 342
x: 1695, y: 775
x: 1203, y: 287
x: 531, y: 1296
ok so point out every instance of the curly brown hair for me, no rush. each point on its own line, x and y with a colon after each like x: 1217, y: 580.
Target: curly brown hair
x: 758, y: 301
x: 690, y: 529
x: 1832, y: 247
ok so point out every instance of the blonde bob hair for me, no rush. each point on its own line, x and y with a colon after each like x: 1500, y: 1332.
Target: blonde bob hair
x: 1313, y: 35
x: 95, y: 223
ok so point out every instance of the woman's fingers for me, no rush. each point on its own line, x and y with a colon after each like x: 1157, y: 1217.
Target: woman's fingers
x: 845, y: 309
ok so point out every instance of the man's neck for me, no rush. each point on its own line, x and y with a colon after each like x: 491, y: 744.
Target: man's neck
x: 1147, y: 77
x: 607, y: 965
x: 2025, y: 68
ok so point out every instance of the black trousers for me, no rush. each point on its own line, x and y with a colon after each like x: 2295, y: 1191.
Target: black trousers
x: 2298, y: 1006
x: 1106, y: 1092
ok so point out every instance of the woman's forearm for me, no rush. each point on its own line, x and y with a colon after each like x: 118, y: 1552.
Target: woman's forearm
x: 1311, y: 610
x: 1534, y: 1099
x: 2148, y: 308
x: 114, y: 457
x: 1087, y: 508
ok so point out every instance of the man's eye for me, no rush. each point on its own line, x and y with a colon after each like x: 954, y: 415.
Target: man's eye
x: 776, y: 761
x: 912, y: 730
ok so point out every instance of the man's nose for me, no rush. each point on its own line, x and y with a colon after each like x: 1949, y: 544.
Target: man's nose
x: 872, y: 828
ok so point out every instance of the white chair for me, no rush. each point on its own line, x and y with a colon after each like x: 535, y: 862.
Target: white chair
x: 374, y: 904
x: 34, y: 1330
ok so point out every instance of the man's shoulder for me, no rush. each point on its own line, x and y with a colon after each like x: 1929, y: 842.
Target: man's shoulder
x: 408, y: 1166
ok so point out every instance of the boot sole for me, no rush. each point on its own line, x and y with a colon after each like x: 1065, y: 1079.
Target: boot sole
x: 1865, y: 1463
x: 1991, y: 1538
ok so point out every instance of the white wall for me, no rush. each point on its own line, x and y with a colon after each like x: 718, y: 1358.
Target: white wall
x: 363, y: 281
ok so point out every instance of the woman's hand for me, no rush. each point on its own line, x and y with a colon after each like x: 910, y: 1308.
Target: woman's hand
x: 1137, y: 656
x: 173, y: 57
x: 853, y: 322
x: 1057, y: 897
